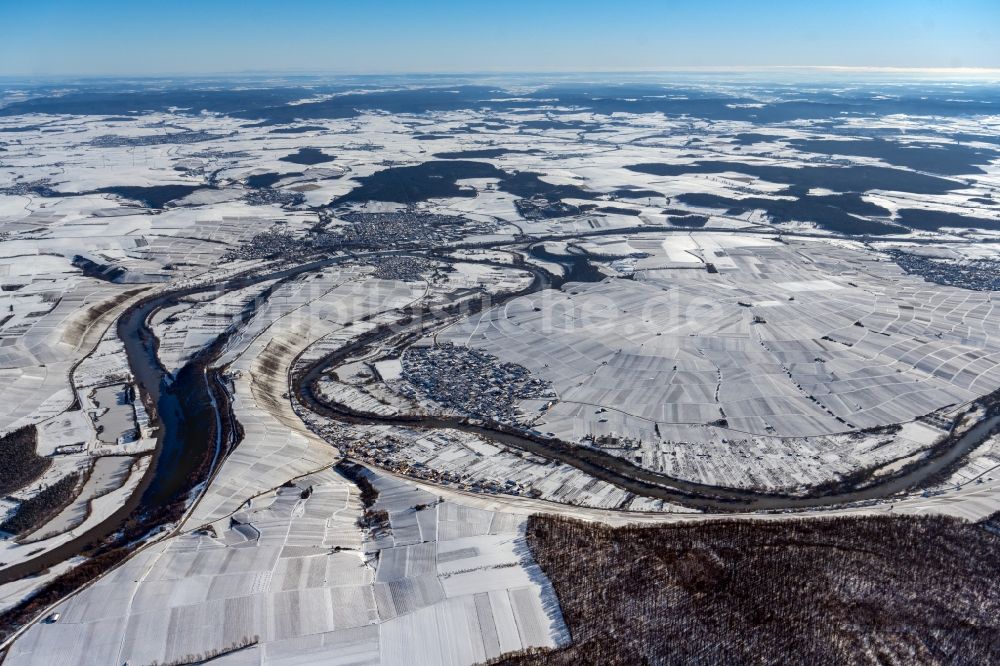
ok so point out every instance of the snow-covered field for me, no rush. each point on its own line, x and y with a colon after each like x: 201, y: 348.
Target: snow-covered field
x: 749, y: 325
x: 293, y: 579
x: 762, y: 372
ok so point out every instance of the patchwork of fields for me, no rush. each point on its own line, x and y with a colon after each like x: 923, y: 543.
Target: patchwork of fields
x: 788, y: 347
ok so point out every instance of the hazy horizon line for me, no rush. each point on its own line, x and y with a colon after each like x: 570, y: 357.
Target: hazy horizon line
x: 707, y: 69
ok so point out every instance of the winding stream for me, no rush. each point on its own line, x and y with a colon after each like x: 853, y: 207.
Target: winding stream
x: 619, y: 471
x: 188, y: 416
x: 638, y: 480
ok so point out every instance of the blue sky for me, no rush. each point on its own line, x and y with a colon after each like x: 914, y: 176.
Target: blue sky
x: 46, y: 37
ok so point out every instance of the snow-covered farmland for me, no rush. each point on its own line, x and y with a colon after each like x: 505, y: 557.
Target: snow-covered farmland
x: 297, y: 582
x: 763, y: 371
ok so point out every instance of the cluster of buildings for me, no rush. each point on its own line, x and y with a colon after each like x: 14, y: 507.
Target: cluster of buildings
x: 267, y: 244
x: 407, y: 269
x: 265, y: 196
x: 408, y: 226
x: 390, y: 453
x: 980, y: 275
x: 470, y: 382
x: 116, y: 141
x: 25, y: 187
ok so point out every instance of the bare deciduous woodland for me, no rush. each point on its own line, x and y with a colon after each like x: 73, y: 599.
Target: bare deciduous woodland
x: 882, y: 590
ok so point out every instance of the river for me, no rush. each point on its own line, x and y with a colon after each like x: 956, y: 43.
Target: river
x: 190, y: 440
